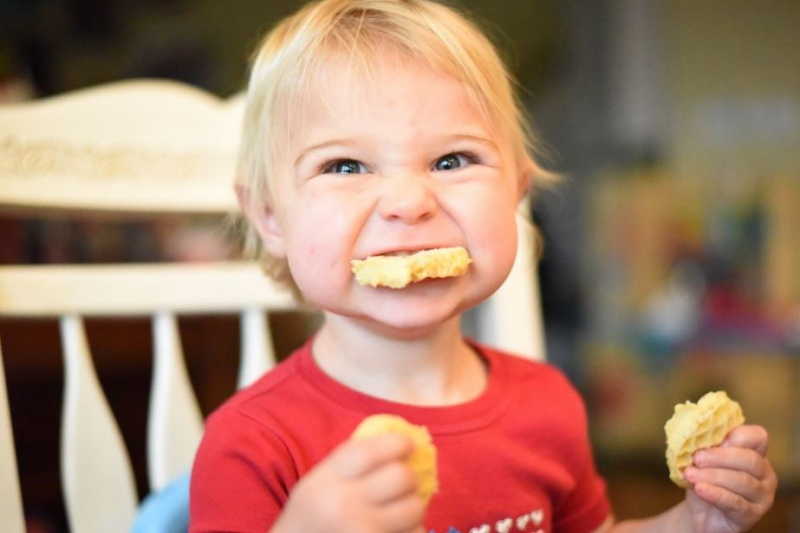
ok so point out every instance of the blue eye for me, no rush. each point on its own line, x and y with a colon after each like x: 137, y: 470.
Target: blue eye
x: 345, y: 166
x: 452, y: 162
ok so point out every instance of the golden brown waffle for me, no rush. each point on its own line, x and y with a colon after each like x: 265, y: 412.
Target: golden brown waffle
x: 422, y: 461
x: 396, y: 271
x: 696, y: 426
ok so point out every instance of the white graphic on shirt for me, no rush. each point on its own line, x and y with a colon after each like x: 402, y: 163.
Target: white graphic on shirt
x: 506, y: 525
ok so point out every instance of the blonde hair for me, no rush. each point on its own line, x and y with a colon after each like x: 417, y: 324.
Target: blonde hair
x: 297, y: 49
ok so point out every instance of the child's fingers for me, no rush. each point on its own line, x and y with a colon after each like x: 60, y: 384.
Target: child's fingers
x: 739, y: 471
x: 732, y: 504
x: 390, y: 482
x: 355, y: 458
x: 745, y: 460
x: 736, y: 478
x: 403, y: 515
x: 748, y: 436
x: 733, y: 482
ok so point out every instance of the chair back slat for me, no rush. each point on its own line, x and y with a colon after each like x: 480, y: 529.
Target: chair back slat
x: 98, y: 481
x: 175, y: 422
x: 11, y: 517
x: 257, y: 349
x: 136, y: 289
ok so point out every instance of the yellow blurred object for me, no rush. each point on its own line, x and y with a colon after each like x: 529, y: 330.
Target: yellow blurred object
x: 422, y: 461
x: 697, y: 426
x: 397, y: 271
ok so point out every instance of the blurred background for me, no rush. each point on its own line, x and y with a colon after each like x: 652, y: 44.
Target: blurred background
x: 671, y: 262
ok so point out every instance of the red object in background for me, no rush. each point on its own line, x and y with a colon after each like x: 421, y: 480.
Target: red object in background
x: 727, y: 309
x: 724, y: 303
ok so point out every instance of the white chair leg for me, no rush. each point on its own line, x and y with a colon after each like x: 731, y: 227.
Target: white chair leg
x: 175, y: 422
x: 99, y: 486
x: 258, y: 354
x: 12, y: 519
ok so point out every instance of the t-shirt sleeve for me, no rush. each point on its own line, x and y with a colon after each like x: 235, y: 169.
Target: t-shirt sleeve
x: 584, y: 508
x: 240, y: 476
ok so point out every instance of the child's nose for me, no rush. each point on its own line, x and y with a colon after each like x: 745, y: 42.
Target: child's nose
x: 407, y: 199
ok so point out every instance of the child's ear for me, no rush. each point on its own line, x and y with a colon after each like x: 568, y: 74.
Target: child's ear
x: 264, y: 220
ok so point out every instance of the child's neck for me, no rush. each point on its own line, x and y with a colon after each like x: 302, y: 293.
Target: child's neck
x: 438, y: 368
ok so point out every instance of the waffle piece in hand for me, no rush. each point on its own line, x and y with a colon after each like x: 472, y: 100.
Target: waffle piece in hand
x: 696, y: 426
x: 422, y: 461
x: 396, y: 271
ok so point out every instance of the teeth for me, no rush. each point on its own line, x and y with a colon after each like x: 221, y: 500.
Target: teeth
x: 399, y: 253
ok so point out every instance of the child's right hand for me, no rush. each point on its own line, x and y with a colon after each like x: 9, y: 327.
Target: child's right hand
x: 362, y: 486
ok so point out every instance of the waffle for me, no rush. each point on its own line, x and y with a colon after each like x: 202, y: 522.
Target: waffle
x: 696, y: 426
x: 422, y: 461
x: 396, y: 271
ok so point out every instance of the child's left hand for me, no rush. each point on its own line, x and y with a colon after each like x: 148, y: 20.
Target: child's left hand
x: 733, y: 484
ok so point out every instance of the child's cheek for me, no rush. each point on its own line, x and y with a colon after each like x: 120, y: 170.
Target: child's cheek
x: 319, y: 260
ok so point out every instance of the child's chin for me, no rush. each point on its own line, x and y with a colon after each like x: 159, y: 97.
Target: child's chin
x: 413, y: 321
x: 407, y: 331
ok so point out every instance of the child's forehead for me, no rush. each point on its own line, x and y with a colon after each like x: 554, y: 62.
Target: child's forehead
x: 345, y: 89
x: 361, y: 69
x: 363, y: 75
x: 358, y: 79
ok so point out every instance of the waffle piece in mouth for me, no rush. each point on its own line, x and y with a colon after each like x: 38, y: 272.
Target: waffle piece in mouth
x: 422, y: 460
x: 398, y: 271
x: 695, y: 426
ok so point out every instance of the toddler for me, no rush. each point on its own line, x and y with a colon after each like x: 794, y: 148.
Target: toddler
x: 379, y: 128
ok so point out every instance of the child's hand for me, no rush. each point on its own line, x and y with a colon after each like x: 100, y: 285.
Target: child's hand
x: 362, y: 486
x: 733, y: 485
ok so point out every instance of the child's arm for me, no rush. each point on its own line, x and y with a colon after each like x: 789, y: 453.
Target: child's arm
x: 733, y: 486
x: 364, y: 485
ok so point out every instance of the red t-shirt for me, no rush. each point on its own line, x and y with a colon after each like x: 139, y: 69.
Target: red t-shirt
x: 517, y: 458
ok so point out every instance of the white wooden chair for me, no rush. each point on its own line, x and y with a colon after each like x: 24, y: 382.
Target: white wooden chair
x: 157, y: 147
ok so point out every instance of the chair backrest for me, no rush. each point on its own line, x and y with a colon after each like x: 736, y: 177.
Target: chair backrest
x: 139, y: 148
x: 135, y: 148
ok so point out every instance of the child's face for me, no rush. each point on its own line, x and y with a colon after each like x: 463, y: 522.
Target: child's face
x: 388, y: 164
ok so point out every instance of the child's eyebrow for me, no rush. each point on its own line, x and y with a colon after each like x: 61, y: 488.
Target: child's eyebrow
x: 488, y: 142
x: 325, y: 144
